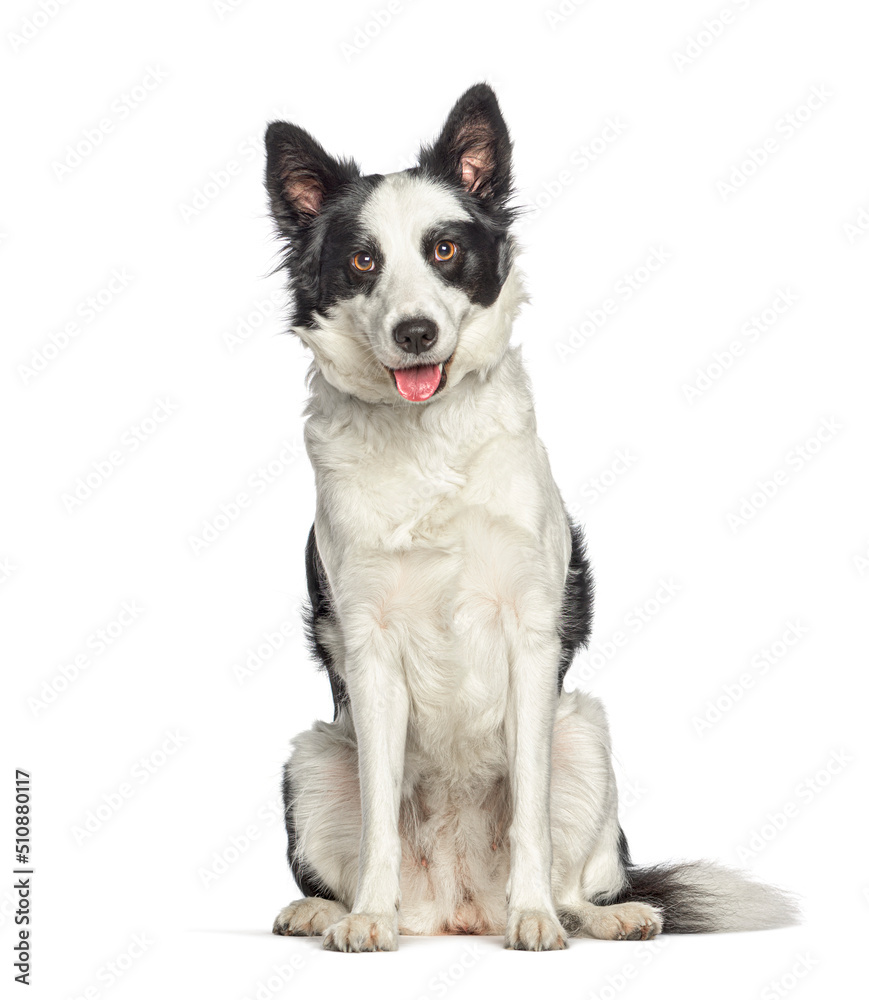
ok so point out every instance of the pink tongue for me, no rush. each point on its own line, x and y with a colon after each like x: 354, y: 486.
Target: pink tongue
x: 418, y: 383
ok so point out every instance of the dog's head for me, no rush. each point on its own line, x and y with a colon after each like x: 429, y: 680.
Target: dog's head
x: 398, y: 278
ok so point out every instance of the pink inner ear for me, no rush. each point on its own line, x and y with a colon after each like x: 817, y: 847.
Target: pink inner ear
x: 472, y: 172
x: 306, y: 194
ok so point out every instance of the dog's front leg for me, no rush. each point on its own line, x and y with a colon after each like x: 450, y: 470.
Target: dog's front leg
x: 531, y: 921
x: 379, y: 703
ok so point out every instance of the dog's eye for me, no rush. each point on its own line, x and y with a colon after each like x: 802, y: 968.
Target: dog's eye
x: 363, y: 261
x: 445, y: 250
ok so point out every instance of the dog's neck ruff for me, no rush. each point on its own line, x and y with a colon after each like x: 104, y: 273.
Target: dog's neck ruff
x: 477, y: 407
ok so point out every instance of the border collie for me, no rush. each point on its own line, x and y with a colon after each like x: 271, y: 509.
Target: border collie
x: 459, y: 788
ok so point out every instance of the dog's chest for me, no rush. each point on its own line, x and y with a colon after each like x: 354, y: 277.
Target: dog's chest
x: 454, y: 542
x: 417, y: 490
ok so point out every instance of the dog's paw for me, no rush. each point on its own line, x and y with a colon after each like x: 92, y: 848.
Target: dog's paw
x: 534, y: 930
x: 621, y: 922
x: 363, y: 932
x: 309, y: 917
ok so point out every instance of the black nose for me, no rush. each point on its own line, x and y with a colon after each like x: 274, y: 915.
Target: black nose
x: 416, y: 335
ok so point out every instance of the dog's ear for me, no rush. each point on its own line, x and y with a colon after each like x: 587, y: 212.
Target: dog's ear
x: 300, y: 175
x: 474, y: 148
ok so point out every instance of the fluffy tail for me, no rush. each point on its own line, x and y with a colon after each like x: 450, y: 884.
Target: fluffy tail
x: 700, y: 896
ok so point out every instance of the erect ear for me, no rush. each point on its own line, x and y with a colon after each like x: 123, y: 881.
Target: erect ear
x: 300, y: 174
x: 474, y: 148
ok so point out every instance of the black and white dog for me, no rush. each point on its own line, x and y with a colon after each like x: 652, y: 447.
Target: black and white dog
x: 459, y: 788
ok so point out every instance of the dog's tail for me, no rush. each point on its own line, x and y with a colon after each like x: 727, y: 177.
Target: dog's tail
x: 699, y: 896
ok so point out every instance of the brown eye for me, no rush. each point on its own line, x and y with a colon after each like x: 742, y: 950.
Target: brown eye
x: 363, y: 261
x: 445, y: 250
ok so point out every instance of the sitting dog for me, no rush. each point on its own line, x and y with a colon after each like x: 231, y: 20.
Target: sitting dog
x: 459, y: 789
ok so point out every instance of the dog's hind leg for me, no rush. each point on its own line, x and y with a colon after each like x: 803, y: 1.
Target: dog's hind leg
x: 589, y: 850
x: 308, y: 917
x: 598, y: 892
x: 323, y: 818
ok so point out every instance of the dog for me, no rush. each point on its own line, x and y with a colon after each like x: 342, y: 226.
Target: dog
x: 459, y: 788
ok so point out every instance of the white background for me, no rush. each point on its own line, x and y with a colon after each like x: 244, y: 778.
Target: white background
x: 171, y: 197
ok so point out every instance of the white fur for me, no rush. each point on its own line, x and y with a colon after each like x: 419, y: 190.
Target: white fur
x: 398, y: 215
x: 460, y: 793
x: 353, y: 344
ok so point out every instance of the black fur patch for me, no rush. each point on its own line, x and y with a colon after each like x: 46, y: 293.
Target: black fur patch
x: 320, y: 609
x: 317, y: 200
x: 318, y: 256
x: 475, y: 129
x: 624, y: 850
x: 481, y: 263
x: 306, y: 879
x: 577, y: 606
x: 685, y: 908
